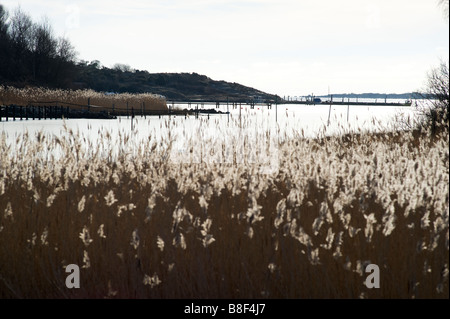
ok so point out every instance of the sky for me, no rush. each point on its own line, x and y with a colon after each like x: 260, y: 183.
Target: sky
x: 284, y: 47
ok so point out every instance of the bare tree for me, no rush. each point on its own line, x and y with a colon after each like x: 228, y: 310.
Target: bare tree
x: 64, y: 62
x: 44, y: 48
x: 436, y: 95
x: 20, y: 34
x: 65, y: 50
x: 433, y: 101
x: 21, y: 30
x: 44, y: 42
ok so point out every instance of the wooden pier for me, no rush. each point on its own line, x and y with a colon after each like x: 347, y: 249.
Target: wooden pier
x: 42, y: 110
x: 201, y: 104
x: 343, y: 102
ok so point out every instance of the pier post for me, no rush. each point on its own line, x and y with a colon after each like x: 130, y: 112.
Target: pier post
x: 276, y: 108
x: 21, y: 112
x: 6, y: 113
x: 348, y: 109
x: 329, y: 114
x: 14, y: 112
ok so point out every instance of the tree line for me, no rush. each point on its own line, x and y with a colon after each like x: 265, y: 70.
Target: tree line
x: 30, y: 53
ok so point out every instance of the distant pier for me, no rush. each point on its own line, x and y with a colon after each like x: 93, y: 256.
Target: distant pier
x: 328, y: 102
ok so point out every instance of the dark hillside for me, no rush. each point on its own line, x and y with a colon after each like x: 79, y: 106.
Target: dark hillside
x: 174, y: 86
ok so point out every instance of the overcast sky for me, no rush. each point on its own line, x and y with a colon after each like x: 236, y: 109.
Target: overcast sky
x: 285, y: 47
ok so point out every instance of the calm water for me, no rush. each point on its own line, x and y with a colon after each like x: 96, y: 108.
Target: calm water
x: 279, y: 122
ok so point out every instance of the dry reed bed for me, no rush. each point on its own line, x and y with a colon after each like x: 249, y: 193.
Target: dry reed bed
x: 11, y: 95
x: 142, y: 226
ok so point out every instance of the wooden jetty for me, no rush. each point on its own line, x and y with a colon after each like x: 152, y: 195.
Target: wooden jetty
x: 201, y: 104
x: 41, y: 110
x: 48, y: 111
